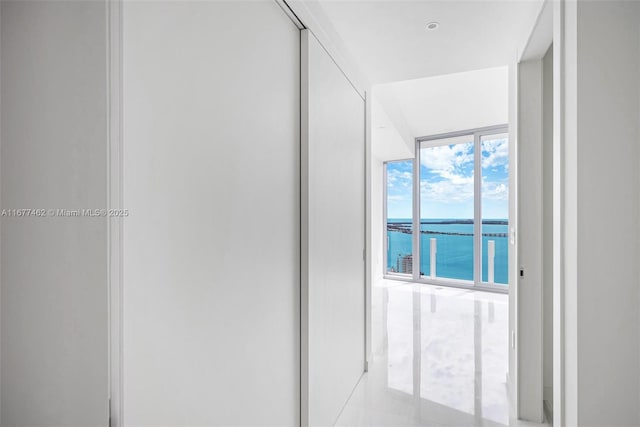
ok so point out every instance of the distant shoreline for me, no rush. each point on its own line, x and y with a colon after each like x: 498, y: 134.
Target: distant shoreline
x: 450, y: 221
x: 405, y: 227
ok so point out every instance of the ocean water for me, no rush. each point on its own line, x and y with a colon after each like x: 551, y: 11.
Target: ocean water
x: 454, y: 252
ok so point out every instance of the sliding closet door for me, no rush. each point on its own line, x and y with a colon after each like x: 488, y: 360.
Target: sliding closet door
x: 211, y: 244
x: 333, y: 235
x: 54, y: 256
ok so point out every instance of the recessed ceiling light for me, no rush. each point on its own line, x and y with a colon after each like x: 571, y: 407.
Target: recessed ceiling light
x: 433, y: 26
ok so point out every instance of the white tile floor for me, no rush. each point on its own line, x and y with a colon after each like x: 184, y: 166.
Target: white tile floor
x: 440, y: 359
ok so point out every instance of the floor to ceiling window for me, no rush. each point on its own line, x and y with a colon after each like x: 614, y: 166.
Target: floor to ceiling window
x: 458, y: 202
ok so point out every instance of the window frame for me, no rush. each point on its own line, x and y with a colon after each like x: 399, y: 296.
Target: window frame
x: 433, y: 141
x: 385, y: 259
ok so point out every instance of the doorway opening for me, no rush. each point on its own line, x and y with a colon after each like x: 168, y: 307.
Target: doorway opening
x: 441, y: 157
x: 455, y: 193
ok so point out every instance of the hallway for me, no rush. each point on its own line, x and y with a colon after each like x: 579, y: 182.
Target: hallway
x: 440, y: 358
x: 201, y: 198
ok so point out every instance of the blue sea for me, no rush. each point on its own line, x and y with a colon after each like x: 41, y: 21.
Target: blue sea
x: 454, y: 254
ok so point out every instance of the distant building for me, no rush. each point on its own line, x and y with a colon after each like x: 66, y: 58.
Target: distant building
x: 404, y: 264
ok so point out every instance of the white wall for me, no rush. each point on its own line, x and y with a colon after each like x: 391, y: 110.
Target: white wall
x: 211, y: 247
x: 54, y: 269
x: 600, y: 87
x: 390, y: 137
x: 333, y: 236
x: 608, y: 138
x: 547, y: 223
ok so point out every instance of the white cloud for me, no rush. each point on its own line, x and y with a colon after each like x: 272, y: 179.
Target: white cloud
x: 446, y: 159
x: 451, y: 163
x: 493, y: 190
x: 461, y: 190
x: 396, y: 178
x: 455, y: 182
x: 395, y: 198
x: 447, y: 191
x: 498, y: 153
x: 458, y: 179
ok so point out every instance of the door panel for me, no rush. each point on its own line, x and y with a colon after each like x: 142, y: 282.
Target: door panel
x: 211, y: 246
x: 333, y: 235
x: 447, y: 229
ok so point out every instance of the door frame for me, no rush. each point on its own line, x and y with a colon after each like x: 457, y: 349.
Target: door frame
x: 115, y: 201
x: 434, y: 141
x: 526, y: 318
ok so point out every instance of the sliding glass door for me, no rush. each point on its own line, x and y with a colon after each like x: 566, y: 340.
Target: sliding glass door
x: 455, y: 195
x: 446, y: 208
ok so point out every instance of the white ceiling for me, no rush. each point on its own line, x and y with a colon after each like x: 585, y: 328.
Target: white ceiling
x: 448, y: 103
x: 389, y: 41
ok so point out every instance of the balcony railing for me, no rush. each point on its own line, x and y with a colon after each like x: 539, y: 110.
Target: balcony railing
x: 447, y: 252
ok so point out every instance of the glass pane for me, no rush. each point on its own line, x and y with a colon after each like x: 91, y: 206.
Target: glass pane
x: 495, y: 208
x: 446, y: 208
x: 400, y: 217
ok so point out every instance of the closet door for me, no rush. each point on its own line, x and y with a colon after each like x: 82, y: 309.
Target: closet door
x: 333, y: 185
x: 211, y: 112
x: 54, y: 297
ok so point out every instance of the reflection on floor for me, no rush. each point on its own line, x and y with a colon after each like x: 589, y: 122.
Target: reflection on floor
x: 440, y: 358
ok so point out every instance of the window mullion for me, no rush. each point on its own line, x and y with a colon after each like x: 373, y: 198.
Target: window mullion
x: 416, y: 213
x: 477, y: 211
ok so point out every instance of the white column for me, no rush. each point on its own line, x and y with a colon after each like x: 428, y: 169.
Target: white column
x: 491, y: 254
x: 432, y: 256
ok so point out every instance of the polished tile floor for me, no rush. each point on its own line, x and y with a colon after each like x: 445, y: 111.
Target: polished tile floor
x: 440, y: 358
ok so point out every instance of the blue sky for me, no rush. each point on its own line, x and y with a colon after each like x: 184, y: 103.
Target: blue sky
x: 447, y: 178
